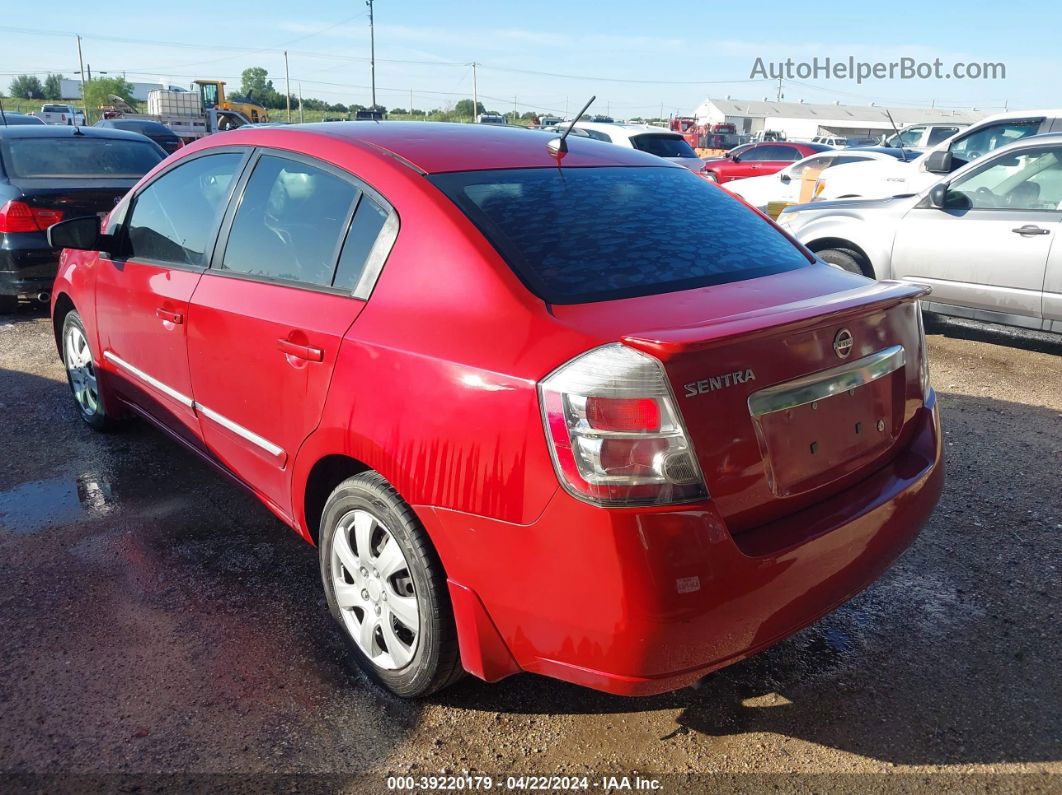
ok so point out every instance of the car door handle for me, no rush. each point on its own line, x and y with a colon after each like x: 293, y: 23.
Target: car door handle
x: 307, y: 352
x: 1030, y: 229
x: 173, y: 317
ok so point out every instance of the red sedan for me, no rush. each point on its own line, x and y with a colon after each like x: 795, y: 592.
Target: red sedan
x: 533, y: 418
x: 759, y: 160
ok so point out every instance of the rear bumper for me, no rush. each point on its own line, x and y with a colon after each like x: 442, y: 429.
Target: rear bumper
x: 27, y: 264
x: 642, y: 601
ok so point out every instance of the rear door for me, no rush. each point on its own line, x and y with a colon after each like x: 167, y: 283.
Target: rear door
x: 142, y: 292
x: 268, y: 318
x: 988, y: 248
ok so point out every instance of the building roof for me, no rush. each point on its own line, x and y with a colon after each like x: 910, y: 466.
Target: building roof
x: 853, y: 114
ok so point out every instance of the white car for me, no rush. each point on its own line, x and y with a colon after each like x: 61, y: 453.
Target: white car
x: 880, y: 179
x: 796, y: 183
x: 981, y: 238
x: 654, y: 140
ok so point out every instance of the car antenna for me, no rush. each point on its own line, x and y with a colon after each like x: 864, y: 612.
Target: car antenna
x: 558, y: 145
x: 903, y: 152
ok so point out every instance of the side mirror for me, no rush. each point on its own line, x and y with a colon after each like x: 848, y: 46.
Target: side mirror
x: 937, y: 195
x: 939, y: 162
x: 80, y: 233
x: 786, y: 179
x: 736, y: 158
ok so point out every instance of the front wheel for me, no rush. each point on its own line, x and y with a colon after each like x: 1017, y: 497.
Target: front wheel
x: 81, y: 374
x: 845, y: 259
x: 710, y: 176
x: 386, y: 587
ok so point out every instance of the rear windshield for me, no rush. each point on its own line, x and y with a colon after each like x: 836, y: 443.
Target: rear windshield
x: 662, y: 145
x: 77, y: 156
x: 593, y: 234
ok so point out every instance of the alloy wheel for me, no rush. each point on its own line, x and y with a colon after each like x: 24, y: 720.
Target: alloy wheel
x: 374, y: 590
x: 79, y: 368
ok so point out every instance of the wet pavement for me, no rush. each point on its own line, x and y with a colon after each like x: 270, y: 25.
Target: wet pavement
x: 157, y: 619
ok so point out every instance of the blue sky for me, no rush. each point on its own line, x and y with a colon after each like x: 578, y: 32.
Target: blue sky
x: 550, y: 56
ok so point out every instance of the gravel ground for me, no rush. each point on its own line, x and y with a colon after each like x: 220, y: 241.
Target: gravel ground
x: 157, y: 619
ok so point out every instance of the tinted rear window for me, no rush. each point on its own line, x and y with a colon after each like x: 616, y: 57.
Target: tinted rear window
x: 592, y: 234
x: 662, y: 145
x: 77, y: 156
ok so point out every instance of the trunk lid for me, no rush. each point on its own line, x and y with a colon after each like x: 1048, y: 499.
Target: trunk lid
x: 75, y: 197
x: 778, y: 419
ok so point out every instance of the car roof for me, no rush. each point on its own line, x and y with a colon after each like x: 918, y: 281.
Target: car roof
x: 437, y: 147
x: 626, y: 130
x: 21, y: 118
x: 66, y: 131
x: 148, y: 123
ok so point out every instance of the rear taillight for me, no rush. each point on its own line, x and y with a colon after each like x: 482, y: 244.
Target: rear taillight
x: 614, y: 432
x: 16, y: 216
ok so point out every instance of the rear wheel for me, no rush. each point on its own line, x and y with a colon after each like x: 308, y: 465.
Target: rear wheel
x: 846, y: 259
x: 81, y: 374
x: 8, y: 304
x: 385, y: 586
x: 711, y: 176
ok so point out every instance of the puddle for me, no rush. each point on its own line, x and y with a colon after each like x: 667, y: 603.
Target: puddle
x: 39, y: 504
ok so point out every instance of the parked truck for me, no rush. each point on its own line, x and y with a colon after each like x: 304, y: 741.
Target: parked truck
x: 708, y: 140
x: 180, y: 111
x: 60, y: 114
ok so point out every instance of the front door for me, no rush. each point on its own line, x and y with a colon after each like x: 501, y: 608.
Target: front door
x: 142, y: 293
x: 987, y: 248
x: 268, y: 318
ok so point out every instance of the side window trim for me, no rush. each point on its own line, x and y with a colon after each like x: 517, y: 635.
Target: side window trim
x: 377, y: 255
x: 130, y: 207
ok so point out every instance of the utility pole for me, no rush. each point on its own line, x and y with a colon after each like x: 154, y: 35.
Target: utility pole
x: 516, y: 109
x: 81, y: 63
x: 287, y: 84
x: 411, y: 102
x: 475, y: 95
x: 89, y: 67
x: 372, y: 53
x: 300, y: 103
x: 779, y: 89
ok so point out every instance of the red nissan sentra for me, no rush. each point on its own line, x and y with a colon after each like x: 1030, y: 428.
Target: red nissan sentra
x: 580, y: 413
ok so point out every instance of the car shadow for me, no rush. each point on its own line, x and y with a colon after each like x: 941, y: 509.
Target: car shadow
x: 953, y: 656
x: 27, y: 311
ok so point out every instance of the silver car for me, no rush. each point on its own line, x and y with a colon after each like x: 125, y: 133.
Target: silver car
x: 981, y: 237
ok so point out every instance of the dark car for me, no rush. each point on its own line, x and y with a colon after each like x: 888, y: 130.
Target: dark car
x: 159, y: 133
x: 9, y: 119
x: 52, y: 172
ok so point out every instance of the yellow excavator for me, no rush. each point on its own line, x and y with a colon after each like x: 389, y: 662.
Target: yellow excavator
x: 212, y: 93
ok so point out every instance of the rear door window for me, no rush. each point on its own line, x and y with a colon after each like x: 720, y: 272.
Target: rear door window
x: 290, y: 222
x: 663, y: 145
x: 174, y: 219
x: 590, y: 234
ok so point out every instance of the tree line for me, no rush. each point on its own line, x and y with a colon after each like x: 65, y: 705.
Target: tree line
x: 255, y: 86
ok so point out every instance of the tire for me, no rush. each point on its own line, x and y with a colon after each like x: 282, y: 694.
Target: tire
x: 79, y: 362
x: 8, y: 304
x: 363, y: 517
x: 711, y: 176
x: 844, y: 258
